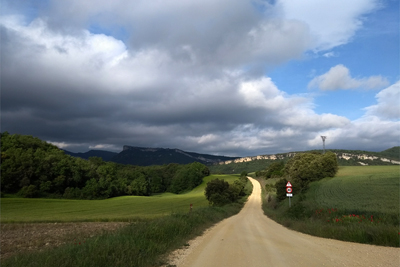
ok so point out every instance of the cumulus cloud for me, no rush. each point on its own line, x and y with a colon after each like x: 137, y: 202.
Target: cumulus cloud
x: 179, y: 74
x: 369, y: 133
x: 338, y: 77
x: 388, y: 106
x: 378, y: 129
x: 332, y: 23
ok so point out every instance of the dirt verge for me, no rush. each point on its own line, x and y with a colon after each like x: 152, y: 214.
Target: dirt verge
x: 20, y: 237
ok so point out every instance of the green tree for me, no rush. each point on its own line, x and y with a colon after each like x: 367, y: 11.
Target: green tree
x: 91, y: 189
x: 217, y: 192
x: 304, y: 168
x: 188, y: 177
x: 140, y: 187
x: 29, y: 191
x: 275, y: 170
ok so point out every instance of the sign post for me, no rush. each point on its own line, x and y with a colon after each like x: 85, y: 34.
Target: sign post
x: 289, y: 191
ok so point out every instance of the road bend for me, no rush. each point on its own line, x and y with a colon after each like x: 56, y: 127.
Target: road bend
x: 252, y: 239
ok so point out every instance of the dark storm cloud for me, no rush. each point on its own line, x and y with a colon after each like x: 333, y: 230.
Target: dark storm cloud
x: 179, y: 75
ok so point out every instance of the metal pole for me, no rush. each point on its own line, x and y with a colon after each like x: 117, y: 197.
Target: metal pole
x: 323, y: 142
x: 289, y: 201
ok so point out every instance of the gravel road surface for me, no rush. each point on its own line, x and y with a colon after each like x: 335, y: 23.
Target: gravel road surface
x: 252, y: 239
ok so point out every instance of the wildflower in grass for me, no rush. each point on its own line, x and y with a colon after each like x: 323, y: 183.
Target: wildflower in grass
x: 78, y: 242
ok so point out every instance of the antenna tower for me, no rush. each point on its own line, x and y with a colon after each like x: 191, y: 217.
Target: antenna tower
x: 323, y: 142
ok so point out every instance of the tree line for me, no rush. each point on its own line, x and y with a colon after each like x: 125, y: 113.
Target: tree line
x: 31, y: 167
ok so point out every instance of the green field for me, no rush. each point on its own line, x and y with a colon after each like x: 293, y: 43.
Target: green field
x: 361, y: 188
x: 360, y: 204
x: 115, y: 209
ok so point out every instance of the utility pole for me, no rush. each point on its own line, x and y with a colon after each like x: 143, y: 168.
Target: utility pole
x: 323, y: 142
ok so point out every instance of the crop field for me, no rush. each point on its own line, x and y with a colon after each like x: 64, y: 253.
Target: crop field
x: 361, y: 188
x: 115, y: 209
x: 360, y: 204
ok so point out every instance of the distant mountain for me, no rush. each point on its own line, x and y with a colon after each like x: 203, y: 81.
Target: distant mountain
x: 145, y: 156
x: 105, y: 155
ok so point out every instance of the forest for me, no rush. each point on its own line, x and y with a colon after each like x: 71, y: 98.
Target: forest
x: 31, y: 167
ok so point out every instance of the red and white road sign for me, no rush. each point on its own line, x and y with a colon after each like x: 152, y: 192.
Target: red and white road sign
x: 288, y: 184
x: 289, y: 190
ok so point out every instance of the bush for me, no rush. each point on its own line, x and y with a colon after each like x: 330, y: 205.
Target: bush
x: 308, y: 167
x: 297, y: 211
x: 217, y: 192
x: 281, y: 189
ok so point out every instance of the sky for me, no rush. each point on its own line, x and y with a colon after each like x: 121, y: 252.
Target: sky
x: 233, y: 78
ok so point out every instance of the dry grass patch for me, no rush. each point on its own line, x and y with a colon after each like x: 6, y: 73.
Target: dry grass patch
x: 21, y: 237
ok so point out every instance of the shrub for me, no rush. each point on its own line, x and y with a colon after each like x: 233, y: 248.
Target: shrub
x: 307, y: 167
x: 281, y: 189
x: 297, y: 211
x: 217, y: 192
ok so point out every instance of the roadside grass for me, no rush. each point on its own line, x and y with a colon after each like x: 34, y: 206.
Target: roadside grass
x: 360, y: 204
x: 126, y: 208
x: 142, y: 243
x: 139, y: 244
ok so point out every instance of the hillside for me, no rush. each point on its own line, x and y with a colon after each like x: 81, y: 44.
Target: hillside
x: 145, y: 156
x: 31, y: 168
x: 345, y: 158
x: 105, y: 155
x: 393, y: 152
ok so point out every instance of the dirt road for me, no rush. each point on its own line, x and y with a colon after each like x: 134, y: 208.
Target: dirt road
x: 252, y: 239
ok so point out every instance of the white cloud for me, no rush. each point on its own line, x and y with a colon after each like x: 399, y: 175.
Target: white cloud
x: 388, y: 106
x: 102, y: 147
x: 60, y: 144
x: 332, y: 23
x: 338, y: 77
x: 378, y: 129
x: 329, y: 54
x: 264, y: 94
x: 370, y: 133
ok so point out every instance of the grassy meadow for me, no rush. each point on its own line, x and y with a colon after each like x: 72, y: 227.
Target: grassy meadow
x: 360, y: 204
x: 124, y: 208
x: 359, y: 188
x: 141, y: 243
